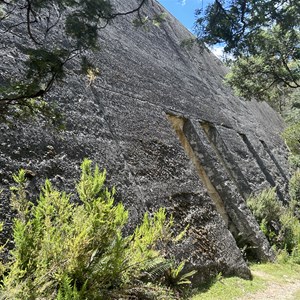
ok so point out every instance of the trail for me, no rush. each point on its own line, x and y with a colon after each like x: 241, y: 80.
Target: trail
x: 284, y: 290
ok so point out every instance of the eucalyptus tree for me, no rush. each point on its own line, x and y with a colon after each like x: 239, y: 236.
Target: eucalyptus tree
x: 262, y: 39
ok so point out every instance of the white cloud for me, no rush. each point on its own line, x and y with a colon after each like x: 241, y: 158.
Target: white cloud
x: 217, y: 51
x: 192, y: 2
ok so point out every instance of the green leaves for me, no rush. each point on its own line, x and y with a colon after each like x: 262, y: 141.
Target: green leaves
x: 268, y: 69
x: 95, y: 9
x: 20, y: 178
x: 279, y: 223
x: 68, y: 251
x: 91, y: 183
x: 177, y: 277
x: 291, y: 136
x: 267, y: 210
x: 146, y: 20
x: 263, y: 39
x: 84, y: 34
x: 69, y: 291
x: 43, y: 63
x: 294, y: 187
x: 265, y: 205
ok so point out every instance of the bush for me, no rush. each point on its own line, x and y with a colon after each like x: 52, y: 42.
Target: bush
x: 265, y: 206
x: 294, y: 186
x: 291, y: 136
x: 289, y: 235
x: 67, y: 251
x: 278, y: 223
x: 294, y: 161
x: 294, y: 191
x: 267, y: 210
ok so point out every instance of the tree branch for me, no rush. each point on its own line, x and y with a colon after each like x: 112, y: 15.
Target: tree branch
x: 129, y: 12
x: 29, y: 11
x: 290, y: 73
x: 31, y: 89
x: 50, y: 26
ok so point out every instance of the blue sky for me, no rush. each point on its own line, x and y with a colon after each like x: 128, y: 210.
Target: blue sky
x: 184, y: 10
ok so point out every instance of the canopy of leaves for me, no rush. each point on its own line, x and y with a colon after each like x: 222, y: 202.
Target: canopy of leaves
x: 263, y: 39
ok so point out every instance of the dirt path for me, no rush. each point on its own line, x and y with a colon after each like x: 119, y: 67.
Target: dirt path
x: 284, y: 290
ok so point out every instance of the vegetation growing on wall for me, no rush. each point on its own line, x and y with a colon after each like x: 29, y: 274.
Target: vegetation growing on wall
x: 67, y: 251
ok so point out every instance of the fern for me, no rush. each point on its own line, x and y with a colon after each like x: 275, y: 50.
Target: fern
x: 156, y: 268
x: 175, y: 276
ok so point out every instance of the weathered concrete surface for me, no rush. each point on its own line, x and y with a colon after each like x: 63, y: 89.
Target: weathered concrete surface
x: 121, y: 122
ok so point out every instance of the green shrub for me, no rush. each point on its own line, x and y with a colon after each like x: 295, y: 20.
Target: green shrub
x: 294, y: 161
x: 265, y: 206
x: 291, y: 136
x: 294, y: 186
x: 67, y: 251
x: 267, y: 210
x: 278, y: 223
x: 289, y: 234
x: 294, y: 191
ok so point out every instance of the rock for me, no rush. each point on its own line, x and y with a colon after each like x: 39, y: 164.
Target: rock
x: 169, y: 133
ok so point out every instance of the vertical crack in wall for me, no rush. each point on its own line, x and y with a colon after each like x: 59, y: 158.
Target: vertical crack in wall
x: 238, y: 218
x: 177, y: 124
x: 224, y: 157
x: 262, y: 166
x: 274, y: 160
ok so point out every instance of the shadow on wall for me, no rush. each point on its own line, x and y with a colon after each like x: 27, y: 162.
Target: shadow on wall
x: 224, y: 182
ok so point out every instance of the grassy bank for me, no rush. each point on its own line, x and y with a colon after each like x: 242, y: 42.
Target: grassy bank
x: 264, y: 277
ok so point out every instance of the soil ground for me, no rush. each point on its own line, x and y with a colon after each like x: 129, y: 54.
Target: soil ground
x: 287, y: 290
